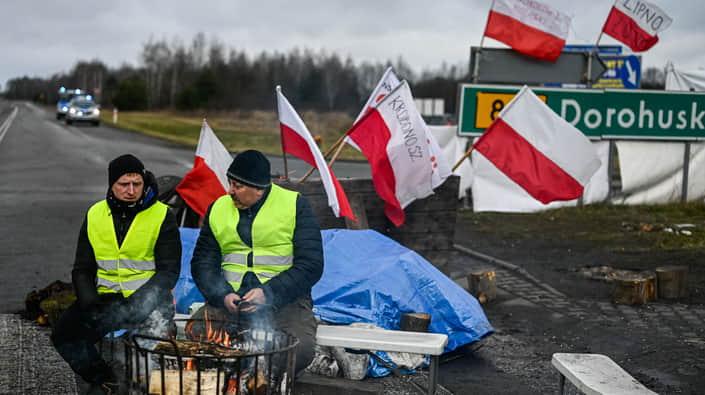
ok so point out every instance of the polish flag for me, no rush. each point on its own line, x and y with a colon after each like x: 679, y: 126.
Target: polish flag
x: 386, y: 84
x: 297, y: 141
x: 537, y: 150
x: 529, y: 27
x: 636, y: 24
x: 207, y: 180
x: 393, y: 137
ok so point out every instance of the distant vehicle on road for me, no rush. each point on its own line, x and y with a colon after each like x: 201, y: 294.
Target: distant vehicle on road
x: 83, y: 109
x: 65, y: 96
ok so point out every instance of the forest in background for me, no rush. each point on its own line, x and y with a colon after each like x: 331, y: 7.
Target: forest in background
x: 209, y: 75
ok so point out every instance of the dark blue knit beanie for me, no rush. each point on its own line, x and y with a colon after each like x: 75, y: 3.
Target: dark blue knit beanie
x: 122, y: 165
x: 251, y: 168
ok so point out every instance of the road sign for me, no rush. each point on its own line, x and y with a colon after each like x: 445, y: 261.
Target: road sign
x: 623, y: 72
x: 601, y: 50
x: 505, y: 66
x: 611, y: 113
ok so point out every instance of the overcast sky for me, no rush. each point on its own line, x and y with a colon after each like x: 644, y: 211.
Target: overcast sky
x: 39, y: 38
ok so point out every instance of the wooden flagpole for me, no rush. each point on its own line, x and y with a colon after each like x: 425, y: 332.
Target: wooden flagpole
x: 339, y: 145
x: 325, y: 155
x: 462, y: 158
x: 335, y: 155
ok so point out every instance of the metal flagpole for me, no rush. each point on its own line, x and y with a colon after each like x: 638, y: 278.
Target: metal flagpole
x: 476, y: 66
x: 281, y: 137
x: 594, y: 50
x: 475, y: 74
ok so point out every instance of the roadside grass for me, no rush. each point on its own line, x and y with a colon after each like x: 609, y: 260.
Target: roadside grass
x: 614, y: 227
x: 238, y: 130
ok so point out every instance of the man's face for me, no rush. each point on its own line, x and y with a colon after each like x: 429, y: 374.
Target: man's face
x: 129, y: 187
x: 243, y: 195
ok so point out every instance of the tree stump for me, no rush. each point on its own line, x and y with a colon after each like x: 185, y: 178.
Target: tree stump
x: 482, y: 284
x: 671, y: 281
x: 634, y: 288
x: 415, y: 322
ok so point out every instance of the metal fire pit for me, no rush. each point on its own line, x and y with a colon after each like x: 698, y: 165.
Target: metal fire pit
x: 231, y: 360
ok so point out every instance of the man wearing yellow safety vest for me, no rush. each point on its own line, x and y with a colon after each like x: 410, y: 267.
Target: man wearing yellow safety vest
x: 259, y: 253
x: 127, y: 261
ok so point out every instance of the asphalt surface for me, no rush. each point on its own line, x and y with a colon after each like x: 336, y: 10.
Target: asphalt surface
x: 50, y: 173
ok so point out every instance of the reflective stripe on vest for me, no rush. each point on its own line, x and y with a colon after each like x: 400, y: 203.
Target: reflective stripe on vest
x: 127, y: 267
x: 272, y: 236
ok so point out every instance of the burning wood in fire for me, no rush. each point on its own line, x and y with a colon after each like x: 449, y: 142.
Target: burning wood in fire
x: 209, y: 383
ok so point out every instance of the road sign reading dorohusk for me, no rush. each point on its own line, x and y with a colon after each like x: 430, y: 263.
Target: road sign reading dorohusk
x: 611, y: 113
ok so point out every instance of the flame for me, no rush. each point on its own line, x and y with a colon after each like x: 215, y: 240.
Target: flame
x: 215, y: 335
x: 232, y: 387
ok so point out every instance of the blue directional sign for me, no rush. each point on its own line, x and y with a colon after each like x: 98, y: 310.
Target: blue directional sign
x: 601, y: 50
x: 623, y: 72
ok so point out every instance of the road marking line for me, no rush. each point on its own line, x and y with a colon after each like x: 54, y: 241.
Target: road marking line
x: 7, y: 123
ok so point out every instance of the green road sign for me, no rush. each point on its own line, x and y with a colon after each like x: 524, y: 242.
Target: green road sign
x: 632, y: 114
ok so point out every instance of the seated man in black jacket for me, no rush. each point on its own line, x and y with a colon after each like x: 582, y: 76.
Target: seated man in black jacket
x: 259, y: 253
x: 127, y: 261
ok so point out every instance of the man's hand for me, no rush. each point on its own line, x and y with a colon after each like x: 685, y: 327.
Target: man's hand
x: 231, y: 301
x: 252, y: 300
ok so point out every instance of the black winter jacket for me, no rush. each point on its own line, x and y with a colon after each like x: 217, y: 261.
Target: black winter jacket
x: 281, y: 290
x: 167, y: 260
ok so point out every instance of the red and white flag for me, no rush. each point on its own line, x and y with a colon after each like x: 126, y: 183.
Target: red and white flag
x: 534, y: 148
x: 207, y: 180
x: 529, y: 27
x: 393, y: 137
x: 297, y: 141
x: 636, y: 24
x: 386, y: 84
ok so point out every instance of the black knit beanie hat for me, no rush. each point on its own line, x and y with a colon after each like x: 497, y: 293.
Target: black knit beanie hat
x: 251, y: 168
x: 122, y: 165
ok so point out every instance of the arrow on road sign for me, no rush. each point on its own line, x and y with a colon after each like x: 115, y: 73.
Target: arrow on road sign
x: 631, y: 74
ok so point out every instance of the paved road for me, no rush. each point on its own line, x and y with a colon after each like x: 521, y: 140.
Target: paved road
x: 50, y: 173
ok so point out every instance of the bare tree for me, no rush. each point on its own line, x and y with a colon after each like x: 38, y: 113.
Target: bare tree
x: 653, y: 78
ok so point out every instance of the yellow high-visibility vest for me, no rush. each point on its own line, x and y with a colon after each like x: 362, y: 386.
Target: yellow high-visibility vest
x: 272, y: 236
x: 127, y: 267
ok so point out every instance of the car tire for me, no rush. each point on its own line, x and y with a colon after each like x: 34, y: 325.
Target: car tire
x: 96, y: 123
x: 69, y: 122
x: 58, y: 116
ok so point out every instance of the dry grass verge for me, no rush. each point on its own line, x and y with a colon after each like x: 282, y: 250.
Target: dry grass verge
x: 238, y: 130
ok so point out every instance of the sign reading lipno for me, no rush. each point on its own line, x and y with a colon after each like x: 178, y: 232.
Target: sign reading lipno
x: 611, y: 113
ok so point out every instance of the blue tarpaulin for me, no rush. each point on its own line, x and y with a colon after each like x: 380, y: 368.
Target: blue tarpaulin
x: 371, y: 278
x: 185, y: 291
